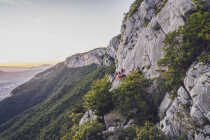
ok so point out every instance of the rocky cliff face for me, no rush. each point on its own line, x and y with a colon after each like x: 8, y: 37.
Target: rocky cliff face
x: 95, y: 56
x: 141, y: 44
x: 113, y: 46
x: 99, y: 56
x: 190, y: 111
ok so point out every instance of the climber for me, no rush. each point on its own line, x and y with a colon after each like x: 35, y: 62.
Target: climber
x: 117, y: 76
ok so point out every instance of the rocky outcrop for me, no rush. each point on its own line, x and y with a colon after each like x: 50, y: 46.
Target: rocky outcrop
x: 88, y: 116
x: 95, y: 56
x: 164, y: 106
x: 190, y: 115
x: 115, y: 124
x: 113, y: 46
x: 141, y: 43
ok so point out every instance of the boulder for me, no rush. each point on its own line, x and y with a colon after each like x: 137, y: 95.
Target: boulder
x: 113, y: 120
x: 88, y: 116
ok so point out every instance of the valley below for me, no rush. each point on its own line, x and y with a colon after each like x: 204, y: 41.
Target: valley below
x: 12, y: 77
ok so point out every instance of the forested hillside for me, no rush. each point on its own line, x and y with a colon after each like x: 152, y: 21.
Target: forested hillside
x: 50, y: 118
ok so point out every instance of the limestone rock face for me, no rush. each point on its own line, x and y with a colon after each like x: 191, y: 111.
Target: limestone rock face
x: 141, y: 44
x: 115, y: 124
x: 113, y: 46
x: 165, y: 104
x: 189, y: 112
x: 95, y: 56
x: 99, y: 56
x: 114, y: 121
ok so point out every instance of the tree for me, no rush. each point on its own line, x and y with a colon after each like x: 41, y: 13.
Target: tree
x: 90, y: 130
x: 99, y: 99
x: 185, y: 46
x: 133, y: 8
x: 133, y: 101
x: 150, y: 132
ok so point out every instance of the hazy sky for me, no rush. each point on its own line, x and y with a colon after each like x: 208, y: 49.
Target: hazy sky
x: 34, y: 31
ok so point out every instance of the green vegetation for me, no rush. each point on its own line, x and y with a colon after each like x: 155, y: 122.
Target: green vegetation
x: 31, y: 93
x: 99, y: 99
x: 146, y: 22
x: 150, y: 132
x: 133, y: 8
x: 76, y: 113
x: 58, y: 116
x: 147, y: 131
x: 127, y: 134
x: 205, y: 58
x: 185, y: 46
x: 50, y: 119
x: 90, y: 130
x: 199, y: 4
x: 130, y: 99
x: 111, y: 69
x: 156, y: 27
x: 133, y: 101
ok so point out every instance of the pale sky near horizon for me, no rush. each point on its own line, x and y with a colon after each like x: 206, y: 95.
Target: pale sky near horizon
x: 34, y: 31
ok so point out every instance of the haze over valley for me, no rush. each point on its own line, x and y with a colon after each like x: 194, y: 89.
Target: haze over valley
x: 12, y: 77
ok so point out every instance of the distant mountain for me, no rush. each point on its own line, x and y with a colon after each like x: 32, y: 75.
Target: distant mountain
x: 22, y: 68
x: 12, y: 77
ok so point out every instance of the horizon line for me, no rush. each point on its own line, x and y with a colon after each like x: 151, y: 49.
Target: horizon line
x: 27, y: 64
